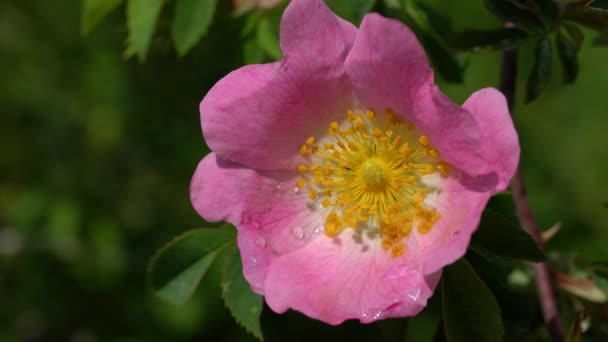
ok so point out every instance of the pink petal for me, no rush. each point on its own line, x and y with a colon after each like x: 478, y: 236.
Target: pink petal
x: 389, y: 69
x: 271, y: 217
x: 259, y: 115
x: 499, y: 141
x: 338, y: 279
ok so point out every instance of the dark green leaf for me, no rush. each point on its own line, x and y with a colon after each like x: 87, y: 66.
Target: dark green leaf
x: 600, y: 4
x: 541, y: 70
x: 176, y: 269
x: 548, y: 10
x: 494, y: 39
x: 470, y: 311
x: 191, y: 21
x: 512, y: 11
x: 429, y: 25
x: 575, y: 34
x: 244, y: 305
x: 94, y: 11
x: 268, y: 38
x: 601, y: 39
x: 601, y: 282
x: 500, y: 240
x: 594, y: 18
x: 351, y: 10
x: 568, y: 55
x: 141, y: 22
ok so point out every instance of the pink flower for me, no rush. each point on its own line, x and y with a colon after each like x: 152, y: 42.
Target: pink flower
x: 352, y: 180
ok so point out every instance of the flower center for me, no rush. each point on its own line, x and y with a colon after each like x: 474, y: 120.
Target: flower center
x: 373, y: 173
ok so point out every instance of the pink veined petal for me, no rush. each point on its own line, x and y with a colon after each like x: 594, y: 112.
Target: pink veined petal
x: 259, y: 115
x: 499, y: 141
x: 337, y: 279
x: 389, y: 69
x: 271, y: 218
x: 463, y: 197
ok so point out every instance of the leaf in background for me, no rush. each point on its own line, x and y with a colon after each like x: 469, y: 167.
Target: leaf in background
x: 540, y: 74
x: 268, y: 38
x: 431, y: 26
x: 576, y: 328
x: 94, y: 11
x: 176, y: 269
x: 601, y: 4
x: 493, y: 39
x: 601, y: 39
x: 470, y: 311
x: 568, y: 55
x: 244, y: 305
x: 510, y: 10
x: 575, y: 34
x: 594, y: 18
x: 500, y: 240
x: 191, y: 20
x: 141, y: 21
x: 351, y: 10
x: 548, y: 10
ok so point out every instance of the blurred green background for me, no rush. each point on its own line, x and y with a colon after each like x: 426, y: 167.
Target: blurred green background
x: 97, y: 150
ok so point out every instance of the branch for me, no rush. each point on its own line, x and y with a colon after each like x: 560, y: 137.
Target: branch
x: 508, y: 76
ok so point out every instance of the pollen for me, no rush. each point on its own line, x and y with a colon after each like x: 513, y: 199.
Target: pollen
x: 370, y: 173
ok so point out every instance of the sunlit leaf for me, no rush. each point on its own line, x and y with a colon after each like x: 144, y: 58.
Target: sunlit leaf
x: 191, y: 20
x: 568, y: 55
x: 541, y: 70
x: 176, y: 269
x: 94, y: 11
x: 470, y: 311
x: 268, y: 38
x: 500, y: 240
x: 141, y: 22
x: 244, y: 305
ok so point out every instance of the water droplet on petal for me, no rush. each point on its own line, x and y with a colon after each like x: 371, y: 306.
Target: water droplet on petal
x: 279, y: 187
x: 260, y: 242
x: 455, y: 234
x: 296, y: 190
x: 254, y: 261
x: 297, y: 232
x: 317, y: 230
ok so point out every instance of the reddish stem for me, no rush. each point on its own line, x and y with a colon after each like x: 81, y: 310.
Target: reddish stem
x: 508, y: 77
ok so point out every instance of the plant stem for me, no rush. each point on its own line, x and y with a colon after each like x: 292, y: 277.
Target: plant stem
x: 508, y: 77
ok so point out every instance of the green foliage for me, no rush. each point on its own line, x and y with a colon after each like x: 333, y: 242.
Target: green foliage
x: 191, y: 21
x: 504, y: 38
x: 141, y: 22
x: 470, y: 311
x: 176, y: 269
x: 244, y: 305
x: 351, y: 10
x: 500, y: 240
x: 94, y: 11
x: 516, y: 12
x: 568, y: 55
x: 541, y: 72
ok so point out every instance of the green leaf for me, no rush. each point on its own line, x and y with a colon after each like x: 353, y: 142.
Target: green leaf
x: 244, y: 305
x: 141, y: 22
x: 94, y: 11
x: 176, y: 269
x: 351, y: 10
x: 470, y: 311
x: 541, y: 70
x: 268, y: 38
x: 601, y: 282
x: 575, y: 330
x: 191, y: 20
x: 568, y: 55
x: 548, y: 10
x: 492, y: 39
x: 575, y: 34
x: 513, y: 11
x: 431, y: 26
x: 500, y: 240
x: 594, y: 18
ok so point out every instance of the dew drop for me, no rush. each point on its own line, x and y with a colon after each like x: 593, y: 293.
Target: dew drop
x: 296, y: 190
x: 279, y: 187
x: 254, y: 261
x: 455, y: 234
x: 297, y: 232
x: 260, y: 242
x: 317, y: 231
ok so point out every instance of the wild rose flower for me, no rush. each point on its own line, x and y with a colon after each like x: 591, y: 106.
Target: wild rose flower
x: 352, y: 180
